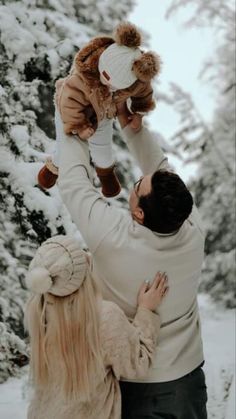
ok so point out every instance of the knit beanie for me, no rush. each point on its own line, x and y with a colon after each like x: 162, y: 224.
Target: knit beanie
x: 123, y: 62
x: 115, y: 65
x: 58, y: 267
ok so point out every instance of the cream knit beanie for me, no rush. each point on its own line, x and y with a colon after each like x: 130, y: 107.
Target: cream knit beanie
x: 58, y: 267
x: 123, y: 62
x: 115, y: 65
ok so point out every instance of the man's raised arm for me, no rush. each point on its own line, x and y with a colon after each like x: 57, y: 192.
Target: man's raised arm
x: 93, y: 216
x: 143, y: 145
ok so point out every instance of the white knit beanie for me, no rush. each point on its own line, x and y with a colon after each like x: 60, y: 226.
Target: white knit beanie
x: 115, y: 65
x: 58, y: 267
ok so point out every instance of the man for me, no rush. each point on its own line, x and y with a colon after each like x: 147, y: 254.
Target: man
x: 162, y: 232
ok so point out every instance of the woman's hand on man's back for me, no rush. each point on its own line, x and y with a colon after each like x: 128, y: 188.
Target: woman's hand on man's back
x: 151, y: 295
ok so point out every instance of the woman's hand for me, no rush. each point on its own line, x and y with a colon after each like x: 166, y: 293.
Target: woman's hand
x: 151, y: 295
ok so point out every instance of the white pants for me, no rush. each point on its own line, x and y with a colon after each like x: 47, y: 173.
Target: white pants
x: 100, y: 144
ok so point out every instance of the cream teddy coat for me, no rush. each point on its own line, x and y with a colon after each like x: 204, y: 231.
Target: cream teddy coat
x: 128, y: 350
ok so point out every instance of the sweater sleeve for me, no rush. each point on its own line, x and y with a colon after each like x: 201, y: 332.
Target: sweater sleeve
x: 130, y: 347
x: 146, y: 150
x: 92, y: 214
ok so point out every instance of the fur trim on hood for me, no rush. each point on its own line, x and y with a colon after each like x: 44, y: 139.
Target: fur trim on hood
x: 86, y: 60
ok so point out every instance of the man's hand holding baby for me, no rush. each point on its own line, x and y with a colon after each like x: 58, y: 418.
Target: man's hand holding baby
x: 86, y: 133
x: 135, y: 122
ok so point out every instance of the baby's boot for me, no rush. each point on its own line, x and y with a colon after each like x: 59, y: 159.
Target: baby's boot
x: 48, y: 175
x: 109, y: 181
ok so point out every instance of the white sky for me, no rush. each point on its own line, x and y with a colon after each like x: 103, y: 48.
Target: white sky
x: 183, y: 52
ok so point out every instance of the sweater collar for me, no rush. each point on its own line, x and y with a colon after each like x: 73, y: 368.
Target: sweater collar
x: 166, y: 234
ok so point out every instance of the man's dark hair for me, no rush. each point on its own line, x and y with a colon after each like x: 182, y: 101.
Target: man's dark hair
x: 168, y: 204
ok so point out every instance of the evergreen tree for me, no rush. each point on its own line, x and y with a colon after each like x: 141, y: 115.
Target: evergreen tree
x: 38, y: 39
x: 212, y: 146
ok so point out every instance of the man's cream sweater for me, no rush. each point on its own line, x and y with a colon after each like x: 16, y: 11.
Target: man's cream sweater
x: 126, y: 253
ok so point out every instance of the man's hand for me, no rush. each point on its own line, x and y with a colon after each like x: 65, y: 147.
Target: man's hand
x: 150, y: 296
x: 86, y: 133
x: 126, y: 118
x: 123, y: 114
x: 135, y: 122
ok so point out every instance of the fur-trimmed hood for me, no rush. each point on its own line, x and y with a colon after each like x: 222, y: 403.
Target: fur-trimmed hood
x: 86, y: 60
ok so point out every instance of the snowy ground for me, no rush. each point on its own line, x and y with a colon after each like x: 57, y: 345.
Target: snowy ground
x: 218, y: 327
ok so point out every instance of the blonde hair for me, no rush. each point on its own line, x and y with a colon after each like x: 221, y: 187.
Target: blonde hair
x: 64, y: 338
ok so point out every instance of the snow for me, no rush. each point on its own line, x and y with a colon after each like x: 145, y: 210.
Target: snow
x: 230, y: 409
x: 2, y: 91
x: 54, y: 60
x: 13, y: 390
x: 14, y: 37
x: 218, y: 328
x: 19, y: 133
x: 22, y: 31
x: 65, y: 48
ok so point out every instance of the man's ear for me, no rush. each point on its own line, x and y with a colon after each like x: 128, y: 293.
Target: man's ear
x: 138, y: 215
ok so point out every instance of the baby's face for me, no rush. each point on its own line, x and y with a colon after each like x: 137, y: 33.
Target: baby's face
x: 106, y: 83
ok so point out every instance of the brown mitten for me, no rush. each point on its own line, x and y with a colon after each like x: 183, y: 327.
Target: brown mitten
x: 48, y: 175
x: 109, y: 181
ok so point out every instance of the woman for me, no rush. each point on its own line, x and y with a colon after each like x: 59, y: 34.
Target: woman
x: 80, y: 344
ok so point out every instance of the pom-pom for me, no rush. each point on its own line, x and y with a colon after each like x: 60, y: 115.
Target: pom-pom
x: 39, y: 280
x: 128, y: 35
x: 147, y: 66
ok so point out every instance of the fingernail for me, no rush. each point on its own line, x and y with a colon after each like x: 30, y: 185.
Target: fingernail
x: 146, y: 281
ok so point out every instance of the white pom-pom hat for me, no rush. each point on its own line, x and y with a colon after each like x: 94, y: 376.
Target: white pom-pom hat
x: 115, y: 65
x: 58, y: 267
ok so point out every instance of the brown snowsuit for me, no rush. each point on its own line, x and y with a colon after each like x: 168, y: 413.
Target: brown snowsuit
x: 83, y: 101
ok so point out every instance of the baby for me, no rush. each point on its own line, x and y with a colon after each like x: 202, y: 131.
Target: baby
x: 105, y: 74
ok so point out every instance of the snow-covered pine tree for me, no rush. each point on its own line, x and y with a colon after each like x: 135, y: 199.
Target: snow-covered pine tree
x: 38, y: 39
x: 212, y: 146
